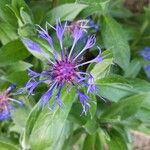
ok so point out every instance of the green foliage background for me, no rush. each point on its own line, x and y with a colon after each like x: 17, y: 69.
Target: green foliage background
x: 120, y: 77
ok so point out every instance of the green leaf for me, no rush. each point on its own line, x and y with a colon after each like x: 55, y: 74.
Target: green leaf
x: 6, y: 146
x: 75, y: 116
x: 25, y: 16
x: 12, y: 52
x: 117, y: 142
x: 6, y: 15
x: 116, y: 87
x: 39, y: 9
x: 18, y: 4
x: 93, y: 107
x: 97, y: 6
x: 48, y: 127
x: 133, y: 68
x: 89, y: 143
x: 72, y: 139
x: 102, y: 69
x: 23, y: 111
x: 91, y: 126
x: 118, y: 10
x: 7, y: 23
x: 15, y: 7
x: 93, y: 142
x: 114, y: 38
x: 18, y: 66
x: 33, y: 116
x: 19, y: 78
x: 65, y: 12
x: 89, y: 1
x: 147, y: 12
x: 143, y: 115
x: 7, y: 33
x: 126, y: 107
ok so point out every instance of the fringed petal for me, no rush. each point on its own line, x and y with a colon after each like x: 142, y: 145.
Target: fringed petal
x: 60, y: 30
x: 84, y: 99
x: 45, y: 35
x: 47, y: 95
x: 89, y: 44
x: 5, y: 114
x: 95, y: 60
x: 34, y: 47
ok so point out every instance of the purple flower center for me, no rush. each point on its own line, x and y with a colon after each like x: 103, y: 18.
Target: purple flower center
x: 64, y: 71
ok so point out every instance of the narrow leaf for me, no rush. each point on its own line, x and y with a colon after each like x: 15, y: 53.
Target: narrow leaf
x: 114, y: 37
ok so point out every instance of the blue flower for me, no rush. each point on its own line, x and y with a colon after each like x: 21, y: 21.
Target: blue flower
x: 65, y: 67
x: 145, y: 53
x: 83, y: 25
x: 92, y: 24
x: 5, y: 103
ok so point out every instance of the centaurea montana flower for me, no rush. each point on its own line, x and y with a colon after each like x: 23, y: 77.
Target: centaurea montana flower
x: 145, y: 53
x: 5, y: 103
x: 65, y: 68
x: 92, y: 24
x: 83, y: 24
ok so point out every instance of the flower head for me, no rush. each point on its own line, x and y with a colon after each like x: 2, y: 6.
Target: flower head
x: 83, y: 25
x: 93, y: 25
x: 145, y: 53
x: 65, y: 69
x: 5, y: 100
